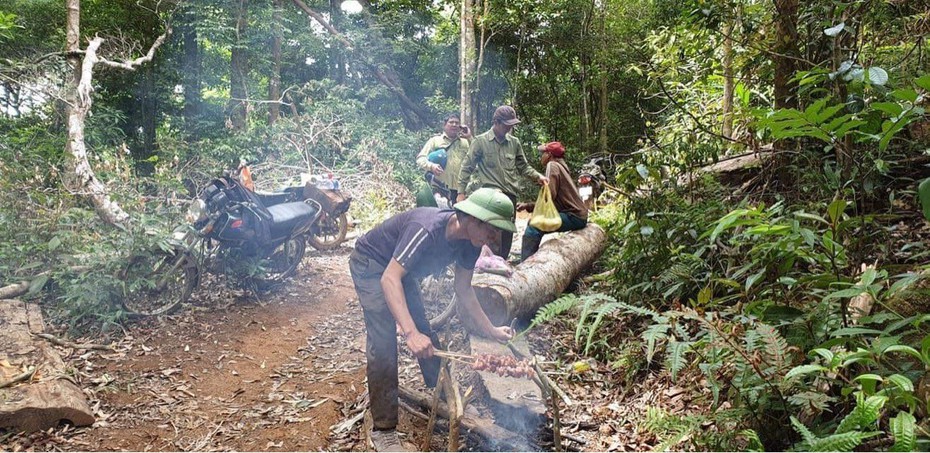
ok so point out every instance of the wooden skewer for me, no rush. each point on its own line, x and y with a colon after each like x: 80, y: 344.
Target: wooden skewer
x: 453, y: 356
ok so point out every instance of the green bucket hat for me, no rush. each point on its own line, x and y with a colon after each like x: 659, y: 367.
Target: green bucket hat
x: 490, y: 206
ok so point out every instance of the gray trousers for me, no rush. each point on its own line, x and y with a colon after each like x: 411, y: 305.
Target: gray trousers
x: 381, y: 341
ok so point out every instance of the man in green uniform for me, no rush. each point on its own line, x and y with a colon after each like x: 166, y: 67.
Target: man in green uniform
x: 495, y: 159
x: 454, y: 140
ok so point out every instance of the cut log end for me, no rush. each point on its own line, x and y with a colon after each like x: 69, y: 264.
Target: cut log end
x: 35, y: 407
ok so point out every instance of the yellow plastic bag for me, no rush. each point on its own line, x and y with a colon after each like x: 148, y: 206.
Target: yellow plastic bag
x: 545, y: 215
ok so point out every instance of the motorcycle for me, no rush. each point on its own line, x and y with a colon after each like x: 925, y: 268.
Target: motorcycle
x: 590, y: 183
x: 230, y: 229
x: 331, y: 228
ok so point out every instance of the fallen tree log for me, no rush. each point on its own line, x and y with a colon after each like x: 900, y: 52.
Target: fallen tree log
x: 541, y: 278
x: 44, y: 398
x: 499, y: 438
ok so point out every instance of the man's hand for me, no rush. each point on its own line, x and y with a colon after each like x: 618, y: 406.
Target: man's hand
x: 436, y: 169
x: 460, y: 198
x: 420, y: 345
x: 502, y: 334
x: 543, y: 180
x: 528, y: 207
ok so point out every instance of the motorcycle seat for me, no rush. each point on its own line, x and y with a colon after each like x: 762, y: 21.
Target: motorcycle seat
x: 273, y: 198
x: 291, y: 218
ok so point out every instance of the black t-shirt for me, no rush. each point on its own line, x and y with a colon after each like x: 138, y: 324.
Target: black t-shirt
x: 417, y: 240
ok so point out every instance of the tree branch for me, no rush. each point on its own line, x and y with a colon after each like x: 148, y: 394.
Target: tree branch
x: 132, y: 64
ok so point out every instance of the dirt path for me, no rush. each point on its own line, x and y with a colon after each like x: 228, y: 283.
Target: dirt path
x: 234, y: 373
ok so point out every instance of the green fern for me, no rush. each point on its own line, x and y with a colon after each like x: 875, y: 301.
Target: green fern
x: 653, y: 335
x: 590, y: 305
x: 553, y: 309
x: 806, y: 435
x: 675, y: 356
x: 903, y: 428
x: 840, y: 442
x: 602, y: 311
x: 865, y: 415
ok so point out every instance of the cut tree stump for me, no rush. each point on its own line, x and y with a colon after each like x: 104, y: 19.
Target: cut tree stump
x: 541, y: 278
x: 47, y: 398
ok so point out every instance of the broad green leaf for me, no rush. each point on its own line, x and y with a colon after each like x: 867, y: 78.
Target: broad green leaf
x: 893, y: 109
x: 825, y: 353
x: 37, y: 284
x: 54, y: 244
x: 903, y: 429
x: 905, y: 282
x: 905, y: 94
x: 868, y: 277
x: 848, y: 126
x: 804, y: 369
x: 809, y: 216
x: 878, y: 76
x: 835, y: 210
x: 855, y: 331
x: 903, y: 348
x: 868, y: 377
x: 726, y: 222
x: 900, y: 382
x: 843, y: 294
x: 754, y: 278
x: 705, y: 295
x: 923, y: 191
x: 923, y: 82
x: 646, y: 230
x: 835, y: 30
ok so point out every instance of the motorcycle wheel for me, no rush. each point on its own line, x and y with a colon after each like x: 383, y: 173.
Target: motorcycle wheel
x: 282, y: 263
x: 158, y: 283
x: 329, y: 232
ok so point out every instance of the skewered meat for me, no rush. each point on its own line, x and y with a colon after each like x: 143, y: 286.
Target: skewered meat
x: 504, y: 365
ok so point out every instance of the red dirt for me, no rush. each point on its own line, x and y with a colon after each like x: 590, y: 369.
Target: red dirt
x: 256, y: 375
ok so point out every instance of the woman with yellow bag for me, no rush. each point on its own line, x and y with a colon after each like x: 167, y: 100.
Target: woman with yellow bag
x: 559, y: 206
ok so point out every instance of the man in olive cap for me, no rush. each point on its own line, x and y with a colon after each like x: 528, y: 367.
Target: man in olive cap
x: 495, y: 159
x: 386, y: 265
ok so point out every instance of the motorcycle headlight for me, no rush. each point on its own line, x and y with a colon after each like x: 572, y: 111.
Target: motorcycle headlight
x: 197, y: 211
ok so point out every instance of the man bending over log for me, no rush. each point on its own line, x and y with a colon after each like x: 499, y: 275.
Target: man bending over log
x: 386, y: 265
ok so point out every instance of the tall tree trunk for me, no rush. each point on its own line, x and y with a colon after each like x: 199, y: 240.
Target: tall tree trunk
x: 79, y: 177
x: 238, y: 71
x: 191, y: 75
x: 602, y: 114
x: 337, y: 56
x: 467, y: 66
x: 602, y: 136
x: 786, y: 52
x: 727, y: 128
x: 482, y: 43
x: 274, y: 85
x: 786, y: 49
